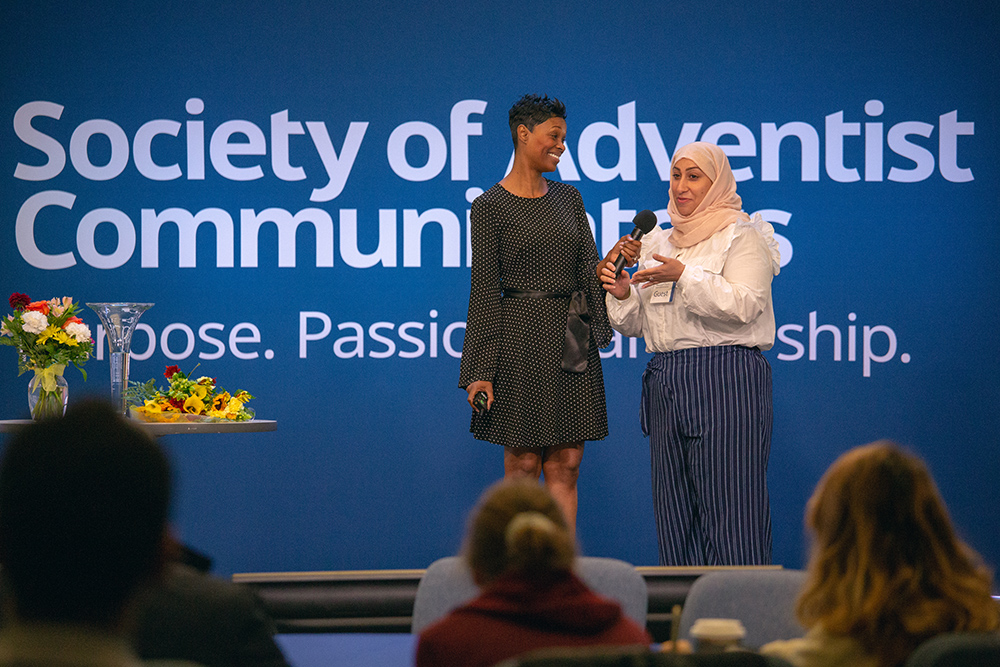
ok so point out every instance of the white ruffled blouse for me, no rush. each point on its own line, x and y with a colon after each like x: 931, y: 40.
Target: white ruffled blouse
x: 722, y: 298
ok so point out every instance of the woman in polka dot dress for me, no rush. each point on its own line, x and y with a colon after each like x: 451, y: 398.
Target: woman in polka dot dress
x: 533, y: 265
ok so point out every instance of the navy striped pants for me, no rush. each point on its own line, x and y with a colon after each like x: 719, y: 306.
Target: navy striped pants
x: 708, y: 414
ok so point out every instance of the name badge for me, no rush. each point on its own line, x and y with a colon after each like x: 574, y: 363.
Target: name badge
x: 662, y: 293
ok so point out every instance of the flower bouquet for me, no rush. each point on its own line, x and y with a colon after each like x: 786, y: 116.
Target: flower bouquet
x: 48, y: 336
x: 186, y: 400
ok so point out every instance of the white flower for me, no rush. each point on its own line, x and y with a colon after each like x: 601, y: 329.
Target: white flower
x: 35, y: 322
x: 4, y: 331
x: 79, y: 331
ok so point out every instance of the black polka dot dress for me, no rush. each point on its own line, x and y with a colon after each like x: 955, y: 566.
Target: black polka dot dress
x: 545, y: 244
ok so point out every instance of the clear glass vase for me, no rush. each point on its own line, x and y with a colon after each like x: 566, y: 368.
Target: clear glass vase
x: 119, y: 320
x: 46, y: 403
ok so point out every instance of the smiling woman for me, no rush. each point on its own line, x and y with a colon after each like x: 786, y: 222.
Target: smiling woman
x: 689, y: 185
x: 536, y: 313
x: 545, y: 144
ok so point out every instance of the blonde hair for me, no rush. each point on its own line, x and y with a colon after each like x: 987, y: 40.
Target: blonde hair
x: 886, y: 567
x: 517, y: 526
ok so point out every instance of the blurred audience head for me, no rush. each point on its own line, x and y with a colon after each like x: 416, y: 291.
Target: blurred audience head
x: 887, y: 567
x: 83, y: 512
x: 517, y: 526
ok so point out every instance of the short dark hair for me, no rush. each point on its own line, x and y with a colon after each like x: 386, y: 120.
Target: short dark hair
x: 532, y: 110
x: 84, y: 501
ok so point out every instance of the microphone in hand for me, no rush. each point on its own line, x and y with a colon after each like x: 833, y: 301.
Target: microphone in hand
x: 480, y: 402
x: 644, y: 222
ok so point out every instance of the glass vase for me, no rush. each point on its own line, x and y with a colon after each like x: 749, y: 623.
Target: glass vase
x: 47, y: 403
x: 119, y: 320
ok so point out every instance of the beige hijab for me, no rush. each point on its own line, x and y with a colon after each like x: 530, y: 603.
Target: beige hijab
x: 721, y: 206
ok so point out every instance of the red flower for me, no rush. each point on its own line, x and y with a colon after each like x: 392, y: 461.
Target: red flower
x: 39, y: 306
x: 19, y: 301
x: 71, y: 320
x: 176, y: 403
x: 169, y: 373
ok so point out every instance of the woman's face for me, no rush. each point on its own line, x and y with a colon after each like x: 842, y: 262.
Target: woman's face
x: 544, y: 145
x: 688, y: 185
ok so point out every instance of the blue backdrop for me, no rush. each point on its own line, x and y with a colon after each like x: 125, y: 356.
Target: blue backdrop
x: 329, y: 152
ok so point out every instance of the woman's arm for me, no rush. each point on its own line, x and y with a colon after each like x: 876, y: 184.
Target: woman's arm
x: 481, y: 346
x: 624, y: 305
x: 742, y: 291
x: 586, y: 276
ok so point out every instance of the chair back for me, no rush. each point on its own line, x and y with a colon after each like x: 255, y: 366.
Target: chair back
x: 448, y: 584
x: 763, y: 600
x: 617, y: 656
x: 958, y: 649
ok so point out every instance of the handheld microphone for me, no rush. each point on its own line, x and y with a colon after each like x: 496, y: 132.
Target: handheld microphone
x: 480, y: 401
x: 644, y: 222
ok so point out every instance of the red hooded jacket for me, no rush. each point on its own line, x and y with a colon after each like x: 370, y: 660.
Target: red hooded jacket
x: 514, y: 615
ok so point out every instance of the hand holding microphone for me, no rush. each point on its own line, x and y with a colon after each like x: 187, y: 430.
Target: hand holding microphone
x: 480, y: 396
x: 610, y: 274
x: 644, y: 222
x: 481, y: 403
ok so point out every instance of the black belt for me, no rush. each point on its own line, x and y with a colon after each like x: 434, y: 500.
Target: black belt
x: 576, y: 346
x: 535, y: 294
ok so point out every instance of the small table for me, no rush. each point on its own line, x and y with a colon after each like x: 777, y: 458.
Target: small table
x: 171, y: 428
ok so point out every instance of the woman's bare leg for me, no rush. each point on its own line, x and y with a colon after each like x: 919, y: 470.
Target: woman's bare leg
x: 561, y: 465
x: 522, y: 462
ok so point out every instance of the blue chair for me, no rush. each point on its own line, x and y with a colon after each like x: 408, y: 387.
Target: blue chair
x: 762, y: 599
x: 447, y: 584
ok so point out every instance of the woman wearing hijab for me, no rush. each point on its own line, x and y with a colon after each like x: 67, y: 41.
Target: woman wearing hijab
x: 702, y: 300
